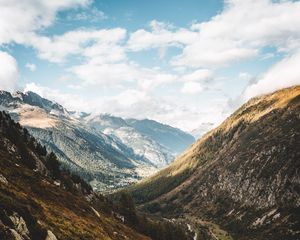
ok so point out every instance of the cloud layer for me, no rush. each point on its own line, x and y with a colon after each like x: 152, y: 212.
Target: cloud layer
x: 173, y: 87
x: 9, y: 72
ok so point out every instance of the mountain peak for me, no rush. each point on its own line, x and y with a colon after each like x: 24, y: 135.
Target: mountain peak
x: 35, y: 99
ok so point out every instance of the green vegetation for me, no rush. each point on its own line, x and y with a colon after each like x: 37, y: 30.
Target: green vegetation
x: 154, y: 227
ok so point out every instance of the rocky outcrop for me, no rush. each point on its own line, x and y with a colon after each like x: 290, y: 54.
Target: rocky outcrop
x: 50, y: 236
x: 19, y: 225
x: 3, y: 180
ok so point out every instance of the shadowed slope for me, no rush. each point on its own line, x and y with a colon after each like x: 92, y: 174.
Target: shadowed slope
x: 40, y: 201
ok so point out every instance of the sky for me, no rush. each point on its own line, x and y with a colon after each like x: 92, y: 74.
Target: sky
x: 187, y: 63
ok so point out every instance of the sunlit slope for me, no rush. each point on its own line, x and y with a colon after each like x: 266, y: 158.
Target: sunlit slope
x: 212, y: 145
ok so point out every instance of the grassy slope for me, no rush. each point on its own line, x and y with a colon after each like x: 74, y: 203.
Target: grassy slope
x: 242, y: 173
x: 206, y: 148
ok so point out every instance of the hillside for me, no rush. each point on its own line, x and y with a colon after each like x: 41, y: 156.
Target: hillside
x: 104, y: 150
x: 40, y: 201
x: 243, y: 175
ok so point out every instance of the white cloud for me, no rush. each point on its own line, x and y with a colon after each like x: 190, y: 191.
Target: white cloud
x: 31, y: 66
x: 285, y: 73
x: 112, y: 74
x: 133, y: 103
x: 19, y: 18
x: 33, y: 87
x: 92, y: 73
x: 239, y: 32
x: 69, y: 101
x: 169, y: 110
x: 160, y: 36
x: 213, y: 53
x: 9, y: 72
x: 129, y: 97
x: 92, y: 15
x: 198, y: 75
x: 102, y: 44
x: 192, y: 88
x: 245, y: 76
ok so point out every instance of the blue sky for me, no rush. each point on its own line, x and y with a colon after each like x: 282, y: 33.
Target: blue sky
x: 185, y: 63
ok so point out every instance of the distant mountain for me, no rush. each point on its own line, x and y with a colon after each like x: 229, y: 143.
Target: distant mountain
x: 105, y: 151
x: 155, y: 142
x: 171, y: 138
x: 243, y: 175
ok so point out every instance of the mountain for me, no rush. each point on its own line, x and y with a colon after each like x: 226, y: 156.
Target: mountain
x: 104, y: 150
x: 242, y: 176
x: 171, y: 138
x: 41, y: 200
x: 157, y: 143
x: 95, y: 156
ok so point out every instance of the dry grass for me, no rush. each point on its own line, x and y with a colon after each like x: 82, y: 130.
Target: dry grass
x: 199, y: 153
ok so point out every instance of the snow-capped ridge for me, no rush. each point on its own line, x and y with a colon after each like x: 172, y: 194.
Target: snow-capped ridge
x: 106, y: 150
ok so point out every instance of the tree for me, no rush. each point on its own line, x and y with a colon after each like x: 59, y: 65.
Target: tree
x: 41, y: 150
x: 128, y: 208
x: 53, y: 165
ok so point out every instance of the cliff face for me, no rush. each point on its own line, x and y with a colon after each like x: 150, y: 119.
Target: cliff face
x: 243, y: 175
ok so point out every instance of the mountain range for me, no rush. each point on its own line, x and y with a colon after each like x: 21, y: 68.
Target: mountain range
x: 239, y: 181
x: 107, y: 151
x: 41, y: 201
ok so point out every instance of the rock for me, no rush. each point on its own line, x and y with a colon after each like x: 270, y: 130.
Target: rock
x: 20, y: 225
x: 3, y: 179
x: 15, y: 235
x: 50, y: 236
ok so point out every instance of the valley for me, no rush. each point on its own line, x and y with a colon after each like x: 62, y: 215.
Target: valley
x: 243, y: 175
x: 239, y: 181
x: 149, y: 120
x: 107, y: 151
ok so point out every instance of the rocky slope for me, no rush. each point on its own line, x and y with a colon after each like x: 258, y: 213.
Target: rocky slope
x: 105, y: 150
x: 243, y: 175
x: 39, y: 201
x: 88, y: 153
